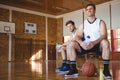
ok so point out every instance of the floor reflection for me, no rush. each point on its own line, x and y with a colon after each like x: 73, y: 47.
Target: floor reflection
x: 36, y: 67
x: 45, y: 70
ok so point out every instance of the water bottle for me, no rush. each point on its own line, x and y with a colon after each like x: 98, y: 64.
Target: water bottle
x: 87, y: 41
x: 58, y: 47
x: 57, y: 43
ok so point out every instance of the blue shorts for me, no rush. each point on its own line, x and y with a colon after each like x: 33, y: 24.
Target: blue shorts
x: 95, y: 49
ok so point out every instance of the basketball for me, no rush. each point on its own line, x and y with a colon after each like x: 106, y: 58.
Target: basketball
x: 88, y: 69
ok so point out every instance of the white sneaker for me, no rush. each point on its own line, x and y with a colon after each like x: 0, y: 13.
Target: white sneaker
x: 107, y: 75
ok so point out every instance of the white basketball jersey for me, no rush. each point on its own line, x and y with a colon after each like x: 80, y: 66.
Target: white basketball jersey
x: 92, y: 30
x: 73, y: 34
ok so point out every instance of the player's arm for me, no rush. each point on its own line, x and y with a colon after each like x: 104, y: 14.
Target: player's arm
x: 103, y: 31
x: 68, y: 41
x: 79, y: 34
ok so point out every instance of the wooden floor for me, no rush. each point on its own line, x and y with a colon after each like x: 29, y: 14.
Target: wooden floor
x: 45, y: 70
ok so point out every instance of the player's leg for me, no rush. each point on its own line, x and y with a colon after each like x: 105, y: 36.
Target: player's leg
x: 64, y: 66
x: 71, y: 54
x: 105, y: 55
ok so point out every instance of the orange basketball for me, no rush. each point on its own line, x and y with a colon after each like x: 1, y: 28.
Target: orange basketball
x: 88, y: 69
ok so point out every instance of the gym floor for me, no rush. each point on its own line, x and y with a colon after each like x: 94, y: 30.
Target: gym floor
x: 45, y: 70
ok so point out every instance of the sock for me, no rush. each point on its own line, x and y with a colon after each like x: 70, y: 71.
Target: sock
x: 64, y: 62
x: 106, y: 68
x: 73, y: 64
x: 68, y: 62
x: 106, y: 65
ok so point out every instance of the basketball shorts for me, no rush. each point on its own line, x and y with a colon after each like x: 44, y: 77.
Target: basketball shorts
x: 95, y: 49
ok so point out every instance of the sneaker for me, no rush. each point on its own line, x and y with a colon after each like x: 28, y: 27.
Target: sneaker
x: 72, y: 72
x: 107, y: 75
x: 58, y: 69
x: 63, y: 69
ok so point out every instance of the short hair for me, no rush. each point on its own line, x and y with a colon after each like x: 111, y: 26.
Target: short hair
x: 91, y: 5
x: 70, y: 22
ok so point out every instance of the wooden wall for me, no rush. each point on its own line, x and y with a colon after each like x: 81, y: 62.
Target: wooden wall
x: 19, y: 18
x: 26, y: 42
x: 55, y: 34
x: 52, y: 30
x: 4, y: 16
x: 24, y: 45
x: 60, y: 30
x: 29, y: 49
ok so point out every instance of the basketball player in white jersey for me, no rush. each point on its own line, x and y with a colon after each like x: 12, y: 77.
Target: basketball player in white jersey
x: 65, y: 63
x: 94, y: 32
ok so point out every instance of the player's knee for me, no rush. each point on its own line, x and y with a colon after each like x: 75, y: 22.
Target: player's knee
x: 72, y: 44
x: 63, y: 48
x: 105, y: 43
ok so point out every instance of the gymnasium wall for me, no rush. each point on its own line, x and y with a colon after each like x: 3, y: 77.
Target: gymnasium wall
x: 60, y: 30
x: 25, y: 45
x: 4, y: 16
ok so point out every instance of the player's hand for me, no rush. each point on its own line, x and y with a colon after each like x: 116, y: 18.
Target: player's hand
x: 90, y: 45
x: 58, y: 47
x: 84, y: 45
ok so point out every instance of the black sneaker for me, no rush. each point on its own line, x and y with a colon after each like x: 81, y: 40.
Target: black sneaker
x: 72, y: 72
x: 107, y: 75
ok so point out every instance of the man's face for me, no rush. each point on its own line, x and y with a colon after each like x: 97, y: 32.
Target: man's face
x: 70, y: 27
x: 90, y: 11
